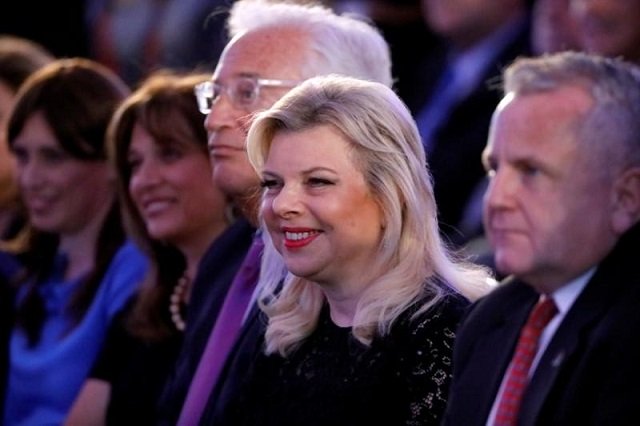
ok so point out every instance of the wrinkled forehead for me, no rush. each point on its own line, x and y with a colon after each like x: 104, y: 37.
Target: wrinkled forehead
x: 271, y: 52
x: 540, y: 124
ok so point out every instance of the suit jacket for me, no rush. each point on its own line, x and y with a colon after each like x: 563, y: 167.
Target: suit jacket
x: 455, y: 157
x: 589, y: 373
x: 215, y: 274
x: 248, y: 346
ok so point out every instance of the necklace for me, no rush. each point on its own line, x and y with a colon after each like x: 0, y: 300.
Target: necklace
x: 176, y: 303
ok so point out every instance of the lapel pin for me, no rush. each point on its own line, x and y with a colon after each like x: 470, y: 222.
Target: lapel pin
x: 557, y: 360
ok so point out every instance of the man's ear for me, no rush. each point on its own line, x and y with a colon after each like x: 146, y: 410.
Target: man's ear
x: 626, y: 200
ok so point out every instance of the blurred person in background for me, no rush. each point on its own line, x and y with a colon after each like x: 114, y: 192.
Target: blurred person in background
x: 608, y: 27
x: 480, y: 38
x: 79, y: 268
x: 138, y: 37
x: 19, y: 58
x: 410, y: 39
x: 553, y: 27
x: 174, y: 211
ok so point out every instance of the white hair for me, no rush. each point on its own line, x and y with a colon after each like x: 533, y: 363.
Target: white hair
x: 338, y: 44
x: 611, y: 128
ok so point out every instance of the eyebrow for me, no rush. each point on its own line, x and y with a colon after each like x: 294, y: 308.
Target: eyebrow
x: 318, y: 169
x: 304, y: 172
x: 237, y: 75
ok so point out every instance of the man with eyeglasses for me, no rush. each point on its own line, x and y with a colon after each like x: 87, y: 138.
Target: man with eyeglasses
x: 273, y: 47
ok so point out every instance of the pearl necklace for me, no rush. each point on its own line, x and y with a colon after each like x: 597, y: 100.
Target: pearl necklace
x: 176, y: 303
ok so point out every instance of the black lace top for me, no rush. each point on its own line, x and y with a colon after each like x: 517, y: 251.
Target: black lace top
x: 332, y: 379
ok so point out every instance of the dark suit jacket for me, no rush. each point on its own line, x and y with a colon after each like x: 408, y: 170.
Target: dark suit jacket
x: 589, y: 373
x: 455, y: 159
x: 215, y: 274
x: 240, y: 361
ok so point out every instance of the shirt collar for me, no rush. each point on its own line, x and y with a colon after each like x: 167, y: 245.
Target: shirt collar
x: 566, y: 295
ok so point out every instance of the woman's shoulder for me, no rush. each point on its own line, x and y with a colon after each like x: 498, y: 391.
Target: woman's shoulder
x: 429, y: 317
x: 129, y: 263
x: 129, y: 254
x: 125, y: 274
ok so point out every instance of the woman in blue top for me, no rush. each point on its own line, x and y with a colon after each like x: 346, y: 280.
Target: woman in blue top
x: 79, y: 269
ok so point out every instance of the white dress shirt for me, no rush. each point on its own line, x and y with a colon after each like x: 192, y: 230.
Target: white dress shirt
x: 564, y: 298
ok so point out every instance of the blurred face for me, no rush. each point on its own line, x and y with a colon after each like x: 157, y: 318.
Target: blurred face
x: 465, y: 22
x: 547, y: 210
x: 609, y: 27
x: 272, y: 54
x: 172, y: 190
x: 553, y: 29
x: 318, y: 208
x: 63, y: 195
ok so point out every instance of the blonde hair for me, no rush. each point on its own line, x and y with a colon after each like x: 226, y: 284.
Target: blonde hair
x: 414, y: 265
x: 611, y: 128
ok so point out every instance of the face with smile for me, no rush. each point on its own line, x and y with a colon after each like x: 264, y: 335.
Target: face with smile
x: 547, y: 211
x: 264, y: 54
x: 318, y: 209
x: 171, y: 188
x: 63, y: 195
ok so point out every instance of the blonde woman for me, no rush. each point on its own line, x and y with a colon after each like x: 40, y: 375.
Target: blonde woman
x: 361, y: 329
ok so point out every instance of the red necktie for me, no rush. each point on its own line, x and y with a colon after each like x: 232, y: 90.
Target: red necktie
x: 518, y: 378
x: 222, y: 336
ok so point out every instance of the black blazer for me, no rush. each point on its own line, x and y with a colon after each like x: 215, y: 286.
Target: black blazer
x: 589, y: 373
x: 240, y: 361
x: 215, y: 274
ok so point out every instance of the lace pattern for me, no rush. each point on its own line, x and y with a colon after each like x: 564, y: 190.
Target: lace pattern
x: 401, y: 379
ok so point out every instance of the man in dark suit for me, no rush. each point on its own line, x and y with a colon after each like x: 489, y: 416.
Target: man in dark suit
x: 273, y: 46
x: 453, y: 111
x: 561, y: 212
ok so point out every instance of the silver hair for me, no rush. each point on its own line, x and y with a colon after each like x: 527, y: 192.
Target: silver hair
x: 611, y: 128
x: 338, y: 44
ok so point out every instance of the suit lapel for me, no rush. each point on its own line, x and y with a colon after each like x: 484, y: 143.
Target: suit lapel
x: 494, y: 350
x: 570, y: 338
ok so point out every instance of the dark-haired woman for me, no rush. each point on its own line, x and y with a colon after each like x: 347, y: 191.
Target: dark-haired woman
x: 79, y: 268
x: 175, y: 212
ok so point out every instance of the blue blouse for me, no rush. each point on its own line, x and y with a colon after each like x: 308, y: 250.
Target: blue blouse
x: 44, y: 380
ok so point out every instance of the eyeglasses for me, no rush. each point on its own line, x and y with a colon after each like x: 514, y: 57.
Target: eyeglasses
x: 243, y: 92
